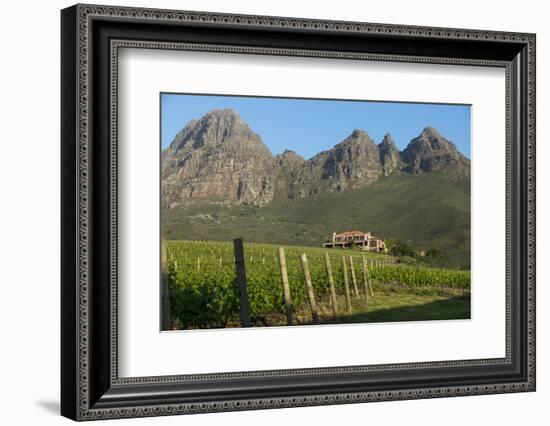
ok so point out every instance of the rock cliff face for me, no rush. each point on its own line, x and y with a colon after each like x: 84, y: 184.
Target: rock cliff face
x: 389, y: 155
x: 430, y: 151
x: 289, y: 160
x: 353, y: 163
x: 219, y: 159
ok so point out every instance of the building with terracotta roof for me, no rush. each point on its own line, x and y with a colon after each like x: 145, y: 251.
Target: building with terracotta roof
x: 365, y: 240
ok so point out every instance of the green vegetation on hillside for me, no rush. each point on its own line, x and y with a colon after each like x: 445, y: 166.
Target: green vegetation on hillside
x: 430, y: 211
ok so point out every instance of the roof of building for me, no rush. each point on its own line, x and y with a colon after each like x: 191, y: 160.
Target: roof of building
x: 350, y: 233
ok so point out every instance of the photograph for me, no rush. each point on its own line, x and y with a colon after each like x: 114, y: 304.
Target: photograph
x: 347, y: 208
x: 270, y: 213
x: 295, y: 211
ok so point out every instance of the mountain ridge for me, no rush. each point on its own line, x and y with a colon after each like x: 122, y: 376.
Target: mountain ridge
x: 219, y: 159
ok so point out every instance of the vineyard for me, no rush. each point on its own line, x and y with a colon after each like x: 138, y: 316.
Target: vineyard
x: 204, y: 294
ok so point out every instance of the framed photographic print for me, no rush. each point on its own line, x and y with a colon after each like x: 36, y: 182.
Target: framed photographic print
x: 263, y: 212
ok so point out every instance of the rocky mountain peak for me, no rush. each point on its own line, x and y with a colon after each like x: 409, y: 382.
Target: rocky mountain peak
x: 432, y: 139
x: 353, y: 162
x: 389, y: 155
x: 288, y: 153
x: 387, y: 144
x: 357, y: 136
x: 217, y: 158
x: 220, y: 159
x: 289, y: 160
x: 387, y: 140
x: 214, y: 128
x: 226, y: 118
x: 430, y: 131
x: 430, y: 151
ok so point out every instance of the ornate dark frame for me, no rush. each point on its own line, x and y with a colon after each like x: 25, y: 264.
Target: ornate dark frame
x: 91, y: 37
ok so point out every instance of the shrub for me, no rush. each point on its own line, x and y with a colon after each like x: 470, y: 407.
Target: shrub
x: 401, y: 248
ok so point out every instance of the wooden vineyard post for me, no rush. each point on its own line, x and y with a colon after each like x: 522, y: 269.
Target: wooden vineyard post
x: 310, y: 292
x: 353, y: 278
x: 346, y: 285
x: 166, y: 316
x: 241, y: 281
x: 331, y: 286
x: 366, y: 279
x: 286, y: 288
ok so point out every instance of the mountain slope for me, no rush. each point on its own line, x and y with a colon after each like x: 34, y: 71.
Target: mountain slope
x: 431, y: 210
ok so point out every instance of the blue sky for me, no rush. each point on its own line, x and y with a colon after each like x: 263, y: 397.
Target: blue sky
x: 309, y: 126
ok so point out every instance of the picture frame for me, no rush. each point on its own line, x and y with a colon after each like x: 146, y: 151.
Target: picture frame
x: 90, y: 384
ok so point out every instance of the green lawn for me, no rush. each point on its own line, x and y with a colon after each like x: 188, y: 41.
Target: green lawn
x: 383, y: 307
x: 410, y: 307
